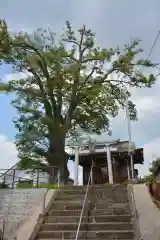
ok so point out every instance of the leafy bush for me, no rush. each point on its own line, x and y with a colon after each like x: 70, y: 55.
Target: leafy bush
x: 3, y: 185
x: 140, y: 181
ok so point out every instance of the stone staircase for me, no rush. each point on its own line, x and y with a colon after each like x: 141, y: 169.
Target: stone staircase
x: 107, y: 217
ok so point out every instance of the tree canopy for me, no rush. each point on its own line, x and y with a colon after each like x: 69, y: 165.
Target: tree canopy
x: 4, y: 41
x: 71, y: 85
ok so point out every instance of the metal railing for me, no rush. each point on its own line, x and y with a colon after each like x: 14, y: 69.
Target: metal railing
x: 15, y: 178
x: 85, y: 199
x: 10, y: 178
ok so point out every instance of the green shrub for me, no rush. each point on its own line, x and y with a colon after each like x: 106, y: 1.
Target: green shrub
x: 3, y: 185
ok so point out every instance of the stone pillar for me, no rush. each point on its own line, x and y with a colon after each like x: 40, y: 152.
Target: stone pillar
x: 109, y: 162
x: 76, y: 164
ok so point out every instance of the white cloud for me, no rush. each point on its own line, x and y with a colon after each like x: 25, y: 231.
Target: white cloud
x: 8, y: 153
x: 148, y: 103
x: 151, y: 151
x: 147, y: 99
x: 15, y: 76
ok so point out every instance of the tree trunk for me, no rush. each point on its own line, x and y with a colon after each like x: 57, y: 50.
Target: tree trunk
x: 63, y: 169
x: 53, y: 173
x: 58, y: 158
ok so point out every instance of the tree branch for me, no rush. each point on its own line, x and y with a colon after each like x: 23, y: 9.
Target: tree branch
x: 48, y: 108
x: 89, y: 75
x: 73, y: 101
x: 44, y: 68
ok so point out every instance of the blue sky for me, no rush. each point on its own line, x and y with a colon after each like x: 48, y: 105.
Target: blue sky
x: 6, y: 125
x: 115, y: 23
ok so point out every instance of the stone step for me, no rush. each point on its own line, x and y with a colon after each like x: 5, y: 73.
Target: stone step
x: 95, y: 212
x: 76, y: 205
x: 81, y: 201
x: 72, y: 201
x: 100, y: 218
x: 105, y: 234
x: 102, y: 189
x: 96, y: 190
x: 97, y: 197
x: 81, y: 239
x: 72, y: 192
x: 70, y: 197
x: 86, y: 226
x: 97, y: 186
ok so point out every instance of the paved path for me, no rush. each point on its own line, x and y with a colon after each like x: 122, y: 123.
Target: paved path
x: 149, y: 215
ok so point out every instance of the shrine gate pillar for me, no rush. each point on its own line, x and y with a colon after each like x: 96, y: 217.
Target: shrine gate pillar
x: 109, y: 162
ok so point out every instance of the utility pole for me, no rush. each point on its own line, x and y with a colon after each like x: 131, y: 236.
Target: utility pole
x: 130, y: 138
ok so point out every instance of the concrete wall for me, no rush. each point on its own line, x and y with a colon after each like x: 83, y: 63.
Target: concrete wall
x: 31, y: 226
x: 148, y: 213
x: 16, y: 205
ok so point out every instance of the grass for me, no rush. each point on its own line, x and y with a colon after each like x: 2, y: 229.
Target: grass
x: 30, y: 185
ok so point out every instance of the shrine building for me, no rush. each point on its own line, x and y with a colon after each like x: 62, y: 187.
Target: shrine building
x: 112, y: 162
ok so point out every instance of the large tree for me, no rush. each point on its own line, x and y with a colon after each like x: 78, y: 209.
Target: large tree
x: 70, y: 85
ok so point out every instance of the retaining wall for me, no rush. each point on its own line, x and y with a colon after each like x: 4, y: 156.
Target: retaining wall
x: 154, y: 191
x: 16, y: 205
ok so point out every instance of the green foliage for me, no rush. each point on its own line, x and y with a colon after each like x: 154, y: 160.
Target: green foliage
x: 155, y: 167
x: 71, y: 85
x: 149, y: 178
x: 4, y: 41
x: 154, y: 170
x: 140, y: 181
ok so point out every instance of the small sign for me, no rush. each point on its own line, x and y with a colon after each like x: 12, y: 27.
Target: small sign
x: 113, y: 149
x: 131, y: 147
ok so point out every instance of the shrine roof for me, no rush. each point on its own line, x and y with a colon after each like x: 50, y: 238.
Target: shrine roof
x: 100, y: 147
x: 118, y: 150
